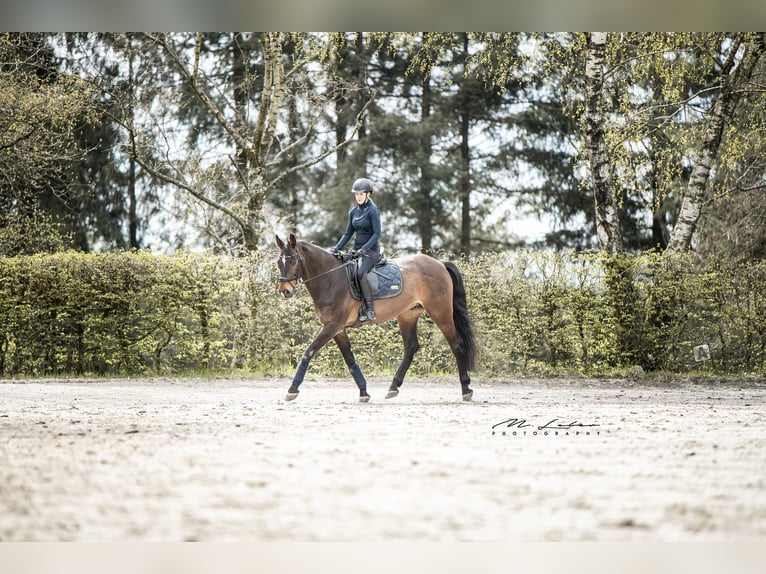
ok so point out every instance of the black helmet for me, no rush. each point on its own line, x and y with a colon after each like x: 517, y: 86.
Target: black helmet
x: 362, y: 185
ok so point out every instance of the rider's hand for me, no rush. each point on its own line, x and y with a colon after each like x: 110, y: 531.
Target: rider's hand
x: 362, y: 252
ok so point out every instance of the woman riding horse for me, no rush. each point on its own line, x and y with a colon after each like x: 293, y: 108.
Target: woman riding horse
x: 428, y: 285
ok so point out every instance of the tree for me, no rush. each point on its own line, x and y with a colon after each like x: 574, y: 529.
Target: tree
x: 466, y: 143
x: 735, y: 75
x: 656, y: 108
x: 40, y: 113
x: 529, y: 120
x: 110, y: 211
x: 351, y: 84
x: 607, y: 218
x: 250, y: 119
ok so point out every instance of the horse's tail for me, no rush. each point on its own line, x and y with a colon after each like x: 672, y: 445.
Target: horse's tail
x: 468, y: 350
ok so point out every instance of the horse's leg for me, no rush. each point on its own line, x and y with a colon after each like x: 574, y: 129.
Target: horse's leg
x: 327, y: 332
x: 348, y: 356
x: 442, y: 316
x: 408, y: 327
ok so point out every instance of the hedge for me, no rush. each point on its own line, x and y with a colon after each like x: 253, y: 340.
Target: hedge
x: 135, y: 313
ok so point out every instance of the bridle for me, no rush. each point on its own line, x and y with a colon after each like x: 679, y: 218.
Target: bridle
x: 295, y: 280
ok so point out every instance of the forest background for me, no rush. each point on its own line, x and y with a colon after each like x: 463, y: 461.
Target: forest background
x: 143, y: 176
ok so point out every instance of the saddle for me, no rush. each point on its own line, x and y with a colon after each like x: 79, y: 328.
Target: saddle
x: 385, y: 279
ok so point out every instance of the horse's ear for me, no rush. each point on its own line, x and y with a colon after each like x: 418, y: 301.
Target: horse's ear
x: 279, y: 242
x: 293, y: 241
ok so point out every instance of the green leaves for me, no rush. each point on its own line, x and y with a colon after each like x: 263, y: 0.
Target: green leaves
x: 553, y: 313
x: 534, y: 313
x: 74, y: 313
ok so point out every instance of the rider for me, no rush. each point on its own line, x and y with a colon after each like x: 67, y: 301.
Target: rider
x: 364, y: 221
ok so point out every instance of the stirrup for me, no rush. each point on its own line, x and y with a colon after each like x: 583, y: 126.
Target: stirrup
x: 367, y: 314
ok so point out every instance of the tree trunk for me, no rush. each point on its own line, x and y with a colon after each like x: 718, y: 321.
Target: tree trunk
x: 263, y: 137
x: 607, y: 217
x: 239, y: 80
x: 734, y: 77
x: 424, y: 201
x: 349, y: 102
x: 659, y: 228
x: 464, y: 178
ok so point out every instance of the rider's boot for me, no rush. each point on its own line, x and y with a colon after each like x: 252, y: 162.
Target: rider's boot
x: 367, y: 311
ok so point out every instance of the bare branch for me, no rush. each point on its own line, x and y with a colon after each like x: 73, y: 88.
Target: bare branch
x: 201, y: 94
x: 357, y: 125
x: 21, y: 138
x: 197, y: 50
x: 729, y: 63
x: 181, y: 184
x: 165, y: 177
x: 242, y: 176
x: 301, y: 140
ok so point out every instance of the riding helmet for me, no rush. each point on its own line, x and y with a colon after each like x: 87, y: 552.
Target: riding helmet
x: 362, y: 185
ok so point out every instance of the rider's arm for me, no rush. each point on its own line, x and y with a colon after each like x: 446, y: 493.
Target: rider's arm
x: 346, y: 235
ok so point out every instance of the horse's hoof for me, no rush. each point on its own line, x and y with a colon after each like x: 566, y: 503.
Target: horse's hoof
x: 468, y: 396
x: 392, y: 393
x: 364, y: 399
x: 291, y: 396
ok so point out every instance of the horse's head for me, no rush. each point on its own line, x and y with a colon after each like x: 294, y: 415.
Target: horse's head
x: 290, y: 266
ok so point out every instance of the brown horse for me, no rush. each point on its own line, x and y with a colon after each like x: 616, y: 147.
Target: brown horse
x: 427, y: 285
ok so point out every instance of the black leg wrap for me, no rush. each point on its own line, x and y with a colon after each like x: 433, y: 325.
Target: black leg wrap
x: 299, y: 375
x: 359, y: 379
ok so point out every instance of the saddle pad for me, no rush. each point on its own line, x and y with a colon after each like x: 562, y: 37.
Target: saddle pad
x: 385, y: 280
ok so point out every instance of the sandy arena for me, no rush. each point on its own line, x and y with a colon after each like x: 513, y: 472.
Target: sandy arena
x: 228, y: 460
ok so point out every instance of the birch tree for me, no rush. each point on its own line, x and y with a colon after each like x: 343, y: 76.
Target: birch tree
x: 607, y: 216
x: 736, y: 73
x: 656, y: 110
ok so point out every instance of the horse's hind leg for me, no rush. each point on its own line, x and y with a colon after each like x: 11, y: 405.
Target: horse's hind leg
x: 408, y: 327
x: 341, y: 339
x: 443, y: 319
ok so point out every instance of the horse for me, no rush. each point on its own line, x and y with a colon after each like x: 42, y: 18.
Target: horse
x: 428, y: 285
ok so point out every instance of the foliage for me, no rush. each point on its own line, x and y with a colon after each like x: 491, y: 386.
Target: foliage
x: 111, y: 313
x: 39, y: 111
x: 591, y: 313
x: 38, y: 232
x: 173, y: 140
x: 534, y: 313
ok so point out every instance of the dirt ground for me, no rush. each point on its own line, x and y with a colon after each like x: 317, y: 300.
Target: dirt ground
x: 228, y: 460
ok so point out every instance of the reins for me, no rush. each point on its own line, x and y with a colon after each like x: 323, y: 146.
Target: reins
x: 341, y: 266
x: 297, y: 279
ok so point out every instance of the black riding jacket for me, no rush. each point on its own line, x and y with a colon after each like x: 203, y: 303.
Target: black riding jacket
x: 364, y: 221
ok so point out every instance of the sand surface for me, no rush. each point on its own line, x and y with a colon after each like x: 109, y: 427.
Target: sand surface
x: 228, y: 460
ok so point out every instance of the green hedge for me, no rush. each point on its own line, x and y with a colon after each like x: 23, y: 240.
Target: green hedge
x: 588, y: 313
x: 126, y: 313
x: 534, y: 313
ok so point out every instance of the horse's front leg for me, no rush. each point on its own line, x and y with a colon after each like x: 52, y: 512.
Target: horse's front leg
x: 348, y: 356
x: 327, y: 332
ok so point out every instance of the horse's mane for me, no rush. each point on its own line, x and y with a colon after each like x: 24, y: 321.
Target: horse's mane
x: 308, y: 244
